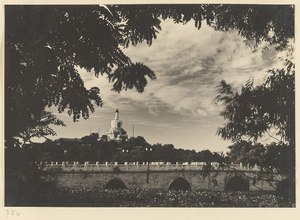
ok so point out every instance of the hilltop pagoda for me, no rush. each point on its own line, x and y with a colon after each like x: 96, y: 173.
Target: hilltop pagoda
x: 116, y: 132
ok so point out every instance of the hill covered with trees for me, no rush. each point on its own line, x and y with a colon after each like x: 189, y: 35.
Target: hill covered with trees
x: 136, y: 149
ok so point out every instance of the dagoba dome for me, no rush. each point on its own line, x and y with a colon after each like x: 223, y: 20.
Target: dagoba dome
x: 116, y: 131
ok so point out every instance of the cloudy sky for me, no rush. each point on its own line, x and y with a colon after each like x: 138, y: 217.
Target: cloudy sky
x: 178, y: 107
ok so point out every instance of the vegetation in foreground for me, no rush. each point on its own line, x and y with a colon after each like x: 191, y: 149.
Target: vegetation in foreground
x: 85, y: 197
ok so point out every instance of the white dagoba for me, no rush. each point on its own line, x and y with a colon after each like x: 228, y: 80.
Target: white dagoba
x: 116, y: 131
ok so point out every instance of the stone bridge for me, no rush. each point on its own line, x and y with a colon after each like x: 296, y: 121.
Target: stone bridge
x: 157, y: 175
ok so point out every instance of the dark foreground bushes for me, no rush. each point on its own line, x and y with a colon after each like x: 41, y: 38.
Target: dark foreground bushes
x: 83, y: 197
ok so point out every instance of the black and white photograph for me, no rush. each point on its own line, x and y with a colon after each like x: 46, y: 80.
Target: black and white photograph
x: 149, y: 105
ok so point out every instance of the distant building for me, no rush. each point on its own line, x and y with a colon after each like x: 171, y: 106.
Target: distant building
x: 116, y: 132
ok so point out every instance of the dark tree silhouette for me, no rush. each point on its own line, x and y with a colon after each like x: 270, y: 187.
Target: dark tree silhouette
x: 252, y: 112
x: 255, y: 110
x: 45, y: 46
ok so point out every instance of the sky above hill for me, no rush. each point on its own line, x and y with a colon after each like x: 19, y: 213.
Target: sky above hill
x: 177, y: 108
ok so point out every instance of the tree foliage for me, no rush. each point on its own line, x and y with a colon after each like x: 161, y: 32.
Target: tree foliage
x: 91, y: 148
x: 258, y: 23
x: 272, y: 157
x: 253, y: 111
x: 45, y: 46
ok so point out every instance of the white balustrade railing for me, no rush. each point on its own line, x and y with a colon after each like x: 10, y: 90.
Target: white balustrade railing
x: 133, y: 166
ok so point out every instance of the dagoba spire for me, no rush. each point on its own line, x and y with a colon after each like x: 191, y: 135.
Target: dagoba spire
x: 117, y: 114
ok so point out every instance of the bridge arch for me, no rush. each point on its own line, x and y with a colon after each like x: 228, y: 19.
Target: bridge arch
x: 237, y: 183
x: 180, y: 183
x: 115, y: 184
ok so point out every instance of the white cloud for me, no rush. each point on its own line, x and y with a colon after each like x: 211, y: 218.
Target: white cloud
x: 188, y: 63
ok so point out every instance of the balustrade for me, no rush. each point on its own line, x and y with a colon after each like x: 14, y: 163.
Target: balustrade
x: 135, y: 166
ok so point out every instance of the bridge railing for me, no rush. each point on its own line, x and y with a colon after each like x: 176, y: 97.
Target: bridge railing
x: 135, y: 166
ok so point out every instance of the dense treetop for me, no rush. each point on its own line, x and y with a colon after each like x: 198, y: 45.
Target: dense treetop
x: 92, y: 148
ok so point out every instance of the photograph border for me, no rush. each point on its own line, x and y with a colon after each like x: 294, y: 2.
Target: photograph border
x: 144, y: 213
